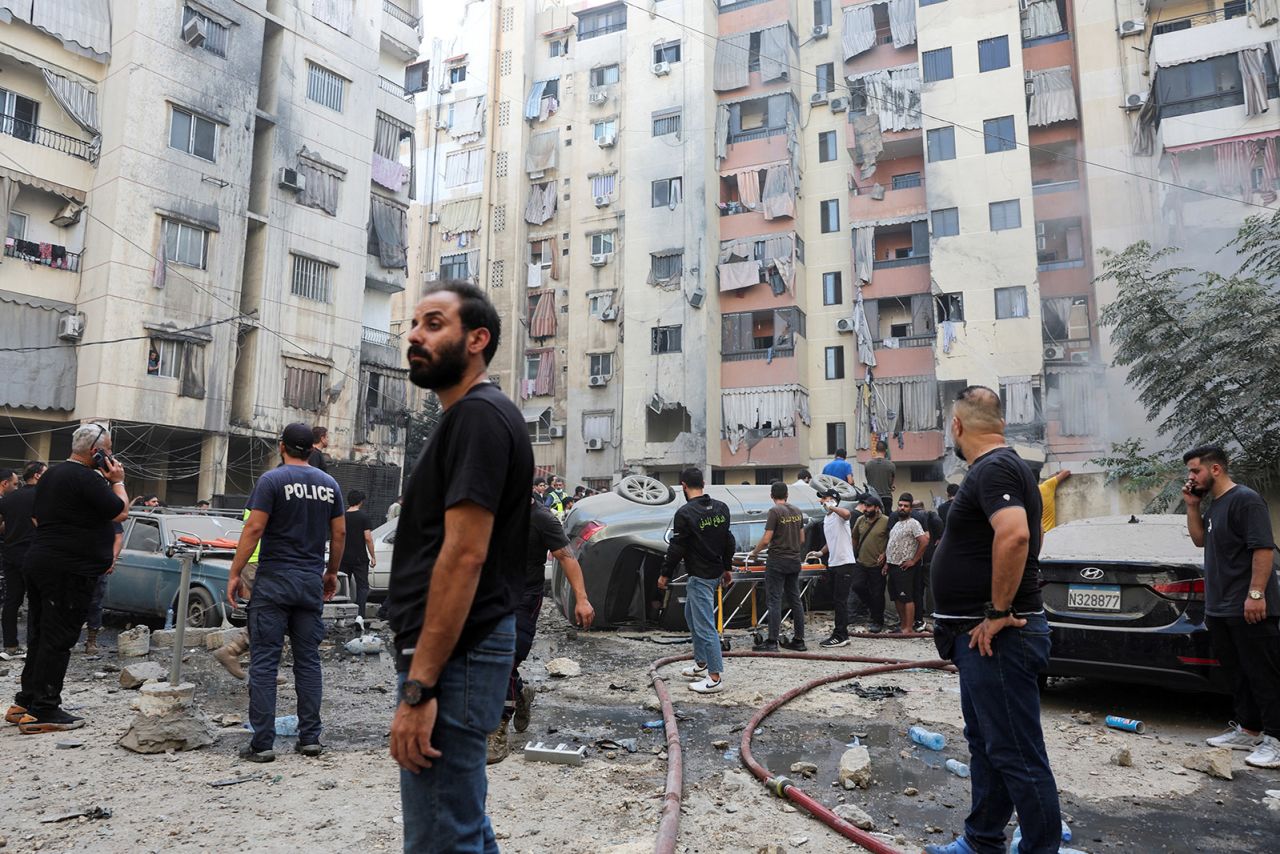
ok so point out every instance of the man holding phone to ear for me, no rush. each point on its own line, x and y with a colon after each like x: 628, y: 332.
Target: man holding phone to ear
x: 76, y: 503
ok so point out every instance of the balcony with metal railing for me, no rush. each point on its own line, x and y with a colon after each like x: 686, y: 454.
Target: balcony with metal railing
x: 378, y: 347
x: 43, y: 136
x: 402, y: 15
x: 401, y: 31
x: 391, y: 87
x: 54, y: 257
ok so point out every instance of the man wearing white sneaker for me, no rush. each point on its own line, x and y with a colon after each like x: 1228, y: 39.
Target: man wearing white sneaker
x: 1242, y: 599
x: 701, y: 538
x: 841, y: 564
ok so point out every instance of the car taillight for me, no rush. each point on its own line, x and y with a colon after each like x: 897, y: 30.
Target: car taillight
x: 1189, y: 590
x: 586, y: 532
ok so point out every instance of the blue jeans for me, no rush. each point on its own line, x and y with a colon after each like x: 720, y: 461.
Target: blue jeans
x: 94, y: 620
x: 443, y: 805
x: 1009, y: 767
x: 700, y: 614
x: 292, y: 603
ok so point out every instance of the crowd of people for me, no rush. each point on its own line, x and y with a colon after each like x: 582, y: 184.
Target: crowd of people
x: 467, y: 580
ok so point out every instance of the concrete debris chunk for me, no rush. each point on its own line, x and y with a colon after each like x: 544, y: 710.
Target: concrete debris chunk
x: 1216, y: 762
x: 805, y: 769
x: 564, y: 667
x: 177, y: 729
x: 133, y: 675
x: 855, y: 815
x: 1122, y: 757
x: 855, y: 768
x: 771, y: 849
x: 164, y: 638
x: 134, y: 643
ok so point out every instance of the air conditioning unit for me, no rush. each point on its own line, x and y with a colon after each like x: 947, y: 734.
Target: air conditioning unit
x: 598, y: 97
x: 555, y: 432
x: 597, y: 381
x: 1042, y: 243
x: 433, y: 275
x: 433, y: 218
x: 444, y: 87
x: 595, y: 444
x: 1081, y: 356
x: 1133, y: 27
x: 442, y: 123
x: 599, y: 260
x: 194, y: 31
x: 71, y: 327
x: 839, y: 105
x: 697, y: 297
x: 1055, y: 353
x: 609, y: 314
x: 1134, y: 101
x: 606, y: 141
x: 844, y: 324
x: 290, y: 179
x: 817, y: 99
x: 601, y: 201
x: 820, y: 31
x: 69, y: 215
x: 661, y: 69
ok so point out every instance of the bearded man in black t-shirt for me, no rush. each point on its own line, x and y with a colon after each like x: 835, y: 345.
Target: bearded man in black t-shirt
x: 991, y: 623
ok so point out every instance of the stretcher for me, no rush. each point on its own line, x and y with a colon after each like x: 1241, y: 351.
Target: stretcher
x: 753, y: 575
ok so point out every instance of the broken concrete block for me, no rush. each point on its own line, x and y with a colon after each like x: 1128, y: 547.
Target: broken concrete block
x: 220, y: 637
x: 564, y: 667
x: 134, y: 643
x: 855, y: 815
x: 133, y: 675
x: 164, y: 638
x: 1122, y: 758
x: 1216, y: 762
x: 805, y: 769
x: 855, y: 768
x: 178, y: 729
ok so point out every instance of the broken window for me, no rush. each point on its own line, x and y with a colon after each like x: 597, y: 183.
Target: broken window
x: 599, y: 302
x: 666, y: 425
x: 665, y: 193
x: 1065, y: 320
x: 304, y: 388
x: 164, y: 358
x: 950, y: 307
x: 538, y: 420
x: 1054, y: 163
x: 604, y: 75
x: 665, y: 339
x: 1059, y: 243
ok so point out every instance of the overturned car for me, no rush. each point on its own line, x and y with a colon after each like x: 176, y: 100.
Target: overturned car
x: 620, y: 539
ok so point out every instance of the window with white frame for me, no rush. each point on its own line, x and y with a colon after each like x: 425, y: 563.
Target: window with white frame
x: 601, y: 364
x: 599, y: 302
x: 463, y: 167
x: 304, y: 388
x: 312, y: 278
x: 532, y: 363
x: 193, y: 134
x: 164, y: 358
x: 540, y: 428
x: 667, y: 52
x: 17, y: 226
x: 542, y: 253
x: 325, y: 87
x: 605, y: 130
x: 666, y: 193
x: 184, y: 244
x: 602, y: 243
x: 454, y: 266
x: 215, y: 34
x: 834, y: 363
x: 604, y: 75
x: 558, y: 47
x: 1011, y: 302
x: 832, y: 288
x: 666, y: 122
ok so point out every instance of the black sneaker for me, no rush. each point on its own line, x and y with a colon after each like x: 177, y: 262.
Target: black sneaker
x: 248, y: 754
x: 312, y: 750
x: 796, y: 645
x: 54, y: 721
x: 875, y: 630
x: 918, y: 627
x: 833, y: 642
x: 765, y: 646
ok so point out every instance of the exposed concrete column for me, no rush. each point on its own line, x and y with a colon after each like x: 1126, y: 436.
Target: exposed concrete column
x: 43, y: 444
x: 213, y: 465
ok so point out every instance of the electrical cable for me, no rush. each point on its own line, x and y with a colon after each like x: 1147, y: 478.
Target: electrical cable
x: 79, y: 344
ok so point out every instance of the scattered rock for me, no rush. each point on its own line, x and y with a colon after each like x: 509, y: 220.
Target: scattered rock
x: 1122, y: 757
x: 1216, y: 762
x: 910, y: 791
x: 771, y: 849
x: 178, y: 729
x: 805, y: 769
x: 798, y: 840
x: 221, y: 637
x: 855, y: 768
x: 855, y: 815
x: 326, y: 785
x: 133, y: 675
x: 564, y: 667
x: 731, y: 808
x: 720, y: 744
x: 164, y: 638
x: 133, y: 642
x: 69, y: 744
x: 1084, y: 718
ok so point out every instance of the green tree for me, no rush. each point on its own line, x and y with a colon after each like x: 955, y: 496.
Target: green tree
x: 1203, y: 353
x: 421, y: 425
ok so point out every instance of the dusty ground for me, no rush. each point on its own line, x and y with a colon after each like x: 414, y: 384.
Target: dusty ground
x: 348, y: 799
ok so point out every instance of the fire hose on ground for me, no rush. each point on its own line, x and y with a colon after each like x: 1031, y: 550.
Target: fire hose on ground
x: 781, y: 786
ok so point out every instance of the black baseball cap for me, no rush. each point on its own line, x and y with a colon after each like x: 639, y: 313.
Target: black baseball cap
x: 298, y: 437
x: 829, y: 493
x: 870, y: 499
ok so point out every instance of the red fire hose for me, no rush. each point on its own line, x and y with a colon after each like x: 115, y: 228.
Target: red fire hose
x: 669, y: 825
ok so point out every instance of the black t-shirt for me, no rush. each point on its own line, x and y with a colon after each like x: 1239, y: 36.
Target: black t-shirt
x: 931, y: 524
x: 74, y: 506
x: 961, y: 575
x: 480, y: 452
x: 16, y: 509
x: 1234, y: 526
x: 356, y: 552
x: 546, y: 534
x: 316, y: 460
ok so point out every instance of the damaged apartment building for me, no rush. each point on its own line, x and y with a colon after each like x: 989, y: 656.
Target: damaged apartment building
x: 818, y: 226
x: 206, y: 207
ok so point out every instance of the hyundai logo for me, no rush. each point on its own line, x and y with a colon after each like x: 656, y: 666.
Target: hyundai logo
x: 1091, y: 573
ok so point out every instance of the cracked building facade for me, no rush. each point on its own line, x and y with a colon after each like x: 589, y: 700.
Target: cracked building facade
x: 206, y: 212
x: 745, y: 234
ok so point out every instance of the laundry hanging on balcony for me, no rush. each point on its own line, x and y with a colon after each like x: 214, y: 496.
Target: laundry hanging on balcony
x: 1053, y: 97
x: 749, y: 188
x: 736, y: 275
x: 542, y: 324
x: 542, y: 203
x: 542, y: 153
x: 772, y: 410
x: 1041, y: 18
x: 732, y: 58
x: 902, y: 22
x: 893, y: 94
x: 779, y: 198
x: 722, y: 132
x: 862, y: 329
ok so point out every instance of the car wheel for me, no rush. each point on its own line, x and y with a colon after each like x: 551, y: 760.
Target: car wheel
x: 643, y: 489
x: 202, y: 611
x: 842, y: 487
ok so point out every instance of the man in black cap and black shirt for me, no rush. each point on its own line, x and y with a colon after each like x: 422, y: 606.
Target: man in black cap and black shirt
x: 990, y: 621
x: 15, y: 511
x: 457, y: 574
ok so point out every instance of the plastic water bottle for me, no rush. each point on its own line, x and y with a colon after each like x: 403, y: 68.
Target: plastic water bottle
x: 955, y: 766
x: 168, y: 620
x: 1017, y: 837
x: 925, y: 738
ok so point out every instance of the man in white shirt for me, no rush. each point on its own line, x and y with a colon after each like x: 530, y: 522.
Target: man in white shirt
x: 840, y: 562
x: 802, y: 480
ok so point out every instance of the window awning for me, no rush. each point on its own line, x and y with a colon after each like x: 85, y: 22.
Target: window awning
x: 892, y: 220
x: 534, y: 414
x: 558, y: 31
x: 173, y: 333
x: 1197, y: 146
x: 1199, y: 43
x: 42, y: 184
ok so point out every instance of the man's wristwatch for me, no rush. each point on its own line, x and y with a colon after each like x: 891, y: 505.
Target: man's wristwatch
x: 992, y: 613
x: 1257, y: 595
x: 415, y: 693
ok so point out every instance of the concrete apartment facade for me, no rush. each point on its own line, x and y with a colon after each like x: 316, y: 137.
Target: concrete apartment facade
x: 230, y: 174
x: 897, y: 200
